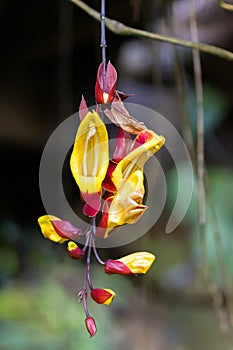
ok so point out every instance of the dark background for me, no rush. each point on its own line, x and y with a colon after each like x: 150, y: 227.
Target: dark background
x: 49, y: 57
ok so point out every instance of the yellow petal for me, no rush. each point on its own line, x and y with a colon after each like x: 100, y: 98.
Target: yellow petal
x: 90, y: 156
x: 138, y: 263
x: 110, y: 299
x: 48, y: 230
x: 126, y: 206
x: 136, y: 159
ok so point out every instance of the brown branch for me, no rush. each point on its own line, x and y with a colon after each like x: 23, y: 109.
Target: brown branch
x: 121, y: 29
x: 200, y: 117
x: 225, y: 5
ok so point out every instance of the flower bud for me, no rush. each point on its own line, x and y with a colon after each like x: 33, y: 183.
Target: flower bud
x: 105, y: 85
x: 90, y: 325
x: 74, y: 251
x: 102, y: 296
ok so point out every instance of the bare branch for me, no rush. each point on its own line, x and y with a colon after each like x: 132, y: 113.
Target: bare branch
x: 225, y: 5
x: 121, y: 29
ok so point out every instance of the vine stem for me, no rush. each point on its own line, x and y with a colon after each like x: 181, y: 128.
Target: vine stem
x: 121, y: 29
x: 103, y: 37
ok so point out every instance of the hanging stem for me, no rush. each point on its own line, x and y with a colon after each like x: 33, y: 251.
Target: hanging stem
x: 200, y: 119
x: 103, y: 36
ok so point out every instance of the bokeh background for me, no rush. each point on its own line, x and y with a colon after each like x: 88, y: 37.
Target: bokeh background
x: 49, y: 57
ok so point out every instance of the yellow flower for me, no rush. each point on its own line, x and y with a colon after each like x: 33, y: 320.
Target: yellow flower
x: 89, y: 160
x: 144, y: 146
x: 48, y: 229
x: 126, y: 206
x: 136, y: 263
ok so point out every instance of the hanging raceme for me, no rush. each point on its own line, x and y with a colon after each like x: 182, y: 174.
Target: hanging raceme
x: 110, y: 186
x: 119, y: 181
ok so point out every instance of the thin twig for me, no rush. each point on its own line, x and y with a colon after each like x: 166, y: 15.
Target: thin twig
x: 200, y: 118
x: 121, y: 29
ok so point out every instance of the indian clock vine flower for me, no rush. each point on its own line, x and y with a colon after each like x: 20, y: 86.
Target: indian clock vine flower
x: 112, y: 187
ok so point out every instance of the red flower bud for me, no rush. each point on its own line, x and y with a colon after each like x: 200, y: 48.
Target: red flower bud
x: 105, y: 87
x: 116, y: 266
x: 102, y: 296
x: 74, y: 251
x: 90, y: 325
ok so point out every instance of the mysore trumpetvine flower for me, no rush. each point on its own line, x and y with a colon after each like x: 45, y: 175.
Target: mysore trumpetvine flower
x: 112, y: 187
x: 89, y: 160
x: 136, y: 263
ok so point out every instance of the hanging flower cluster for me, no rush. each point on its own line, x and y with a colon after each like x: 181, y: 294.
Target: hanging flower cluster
x: 117, y: 182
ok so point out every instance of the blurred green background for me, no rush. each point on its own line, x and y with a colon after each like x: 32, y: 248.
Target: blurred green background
x: 49, y: 57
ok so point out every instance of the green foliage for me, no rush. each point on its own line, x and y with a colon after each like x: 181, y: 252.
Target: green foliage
x: 215, y: 108
x: 45, y: 316
x: 218, y: 244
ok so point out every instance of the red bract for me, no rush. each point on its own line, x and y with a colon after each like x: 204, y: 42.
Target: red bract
x: 116, y: 267
x: 107, y: 184
x: 102, y: 296
x: 83, y: 110
x: 123, y: 141
x: 65, y: 229
x: 105, y: 86
x: 74, y: 251
x: 90, y: 325
x: 122, y: 145
x: 92, y: 205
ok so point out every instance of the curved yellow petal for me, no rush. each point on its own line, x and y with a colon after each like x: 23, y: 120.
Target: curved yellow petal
x: 126, y: 206
x: 48, y: 230
x: 128, y: 200
x: 138, y: 263
x: 136, y: 159
x: 90, y: 156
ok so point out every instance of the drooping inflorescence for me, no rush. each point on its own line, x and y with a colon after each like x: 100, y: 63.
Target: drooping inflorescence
x: 116, y: 181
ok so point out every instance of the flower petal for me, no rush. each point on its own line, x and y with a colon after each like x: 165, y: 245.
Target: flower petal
x: 48, y: 229
x: 116, y: 267
x: 107, y: 184
x: 74, y: 251
x: 83, y: 110
x: 136, y: 159
x: 65, y: 229
x: 138, y: 263
x: 123, y: 141
x: 102, y: 296
x: 125, y: 207
x: 105, y: 86
x: 92, y: 205
x: 89, y: 159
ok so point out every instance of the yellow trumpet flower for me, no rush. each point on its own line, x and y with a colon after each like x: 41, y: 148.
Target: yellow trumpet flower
x: 89, y: 160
